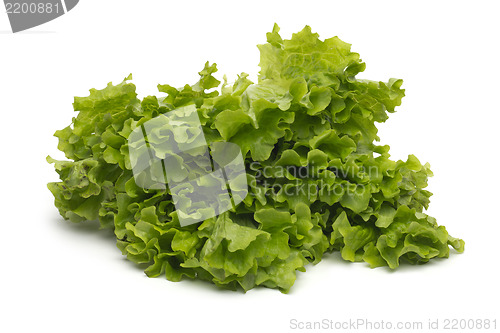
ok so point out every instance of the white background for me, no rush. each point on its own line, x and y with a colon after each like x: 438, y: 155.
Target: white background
x: 62, y: 277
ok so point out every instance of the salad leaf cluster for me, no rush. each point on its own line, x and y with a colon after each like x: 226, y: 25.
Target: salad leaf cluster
x: 318, y: 182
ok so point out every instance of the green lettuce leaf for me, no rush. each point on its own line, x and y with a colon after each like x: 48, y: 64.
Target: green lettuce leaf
x: 317, y: 179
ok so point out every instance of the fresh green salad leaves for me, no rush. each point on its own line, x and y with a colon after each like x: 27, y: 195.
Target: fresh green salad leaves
x: 317, y: 181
